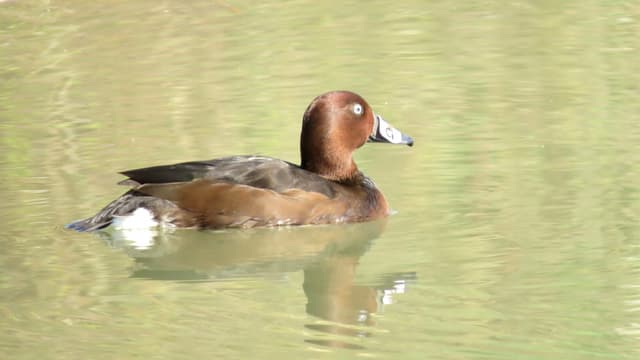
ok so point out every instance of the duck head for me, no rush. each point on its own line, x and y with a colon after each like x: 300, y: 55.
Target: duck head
x: 336, y: 124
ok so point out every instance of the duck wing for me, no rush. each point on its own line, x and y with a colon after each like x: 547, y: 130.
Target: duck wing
x: 255, y: 171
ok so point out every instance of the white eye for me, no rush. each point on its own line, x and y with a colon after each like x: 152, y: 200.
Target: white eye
x: 358, y: 109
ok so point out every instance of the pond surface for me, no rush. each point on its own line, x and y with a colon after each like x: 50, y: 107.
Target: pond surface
x: 517, y: 228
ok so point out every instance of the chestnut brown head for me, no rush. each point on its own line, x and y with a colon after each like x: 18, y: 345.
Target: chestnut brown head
x: 334, y: 125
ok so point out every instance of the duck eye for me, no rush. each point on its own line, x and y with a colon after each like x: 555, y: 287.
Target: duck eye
x: 358, y: 109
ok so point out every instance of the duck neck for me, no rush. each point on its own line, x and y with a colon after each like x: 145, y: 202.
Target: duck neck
x: 331, y: 167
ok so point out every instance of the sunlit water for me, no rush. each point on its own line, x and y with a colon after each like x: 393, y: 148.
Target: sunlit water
x: 516, y: 232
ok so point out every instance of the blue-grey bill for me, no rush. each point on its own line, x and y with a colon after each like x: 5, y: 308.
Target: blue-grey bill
x: 383, y: 132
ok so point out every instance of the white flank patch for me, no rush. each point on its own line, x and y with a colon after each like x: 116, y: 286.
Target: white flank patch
x: 137, y: 228
x: 141, y: 218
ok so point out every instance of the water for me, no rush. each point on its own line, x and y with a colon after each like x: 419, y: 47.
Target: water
x: 516, y: 234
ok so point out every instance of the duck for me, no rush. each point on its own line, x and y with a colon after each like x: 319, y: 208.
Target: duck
x: 249, y: 191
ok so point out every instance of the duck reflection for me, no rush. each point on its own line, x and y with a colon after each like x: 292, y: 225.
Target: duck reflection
x: 328, y: 256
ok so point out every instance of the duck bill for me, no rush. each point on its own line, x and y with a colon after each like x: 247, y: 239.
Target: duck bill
x: 383, y: 132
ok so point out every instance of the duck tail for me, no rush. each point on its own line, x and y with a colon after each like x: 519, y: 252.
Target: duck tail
x: 123, y: 205
x: 86, y: 225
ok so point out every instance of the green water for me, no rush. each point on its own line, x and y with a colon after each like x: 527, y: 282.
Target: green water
x: 516, y: 234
